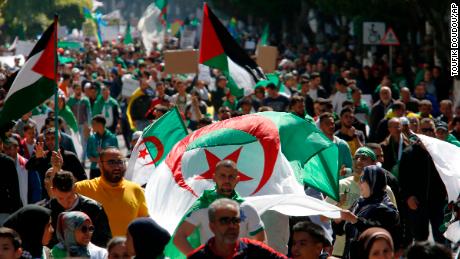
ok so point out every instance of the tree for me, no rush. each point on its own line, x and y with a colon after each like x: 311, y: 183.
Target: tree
x: 28, y: 18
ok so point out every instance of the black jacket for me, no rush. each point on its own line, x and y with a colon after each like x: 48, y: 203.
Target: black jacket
x: 390, y: 151
x: 71, y: 164
x: 378, y: 112
x: 418, y: 176
x: 10, y: 201
x: 102, y: 233
x: 377, y: 213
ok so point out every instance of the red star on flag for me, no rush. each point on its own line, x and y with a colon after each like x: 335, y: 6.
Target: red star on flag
x: 143, y: 153
x: 213, y: 160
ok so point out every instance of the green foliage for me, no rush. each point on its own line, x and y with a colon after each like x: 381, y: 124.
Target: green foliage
x: 28, y: 18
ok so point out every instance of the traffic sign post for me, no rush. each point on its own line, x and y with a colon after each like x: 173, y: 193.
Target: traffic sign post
x: 390, y: 39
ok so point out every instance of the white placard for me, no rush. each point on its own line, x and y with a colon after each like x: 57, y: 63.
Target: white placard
x: 129, y: 85
x: 204, y: 73
x: 373, y: 32
x: 187, y: 38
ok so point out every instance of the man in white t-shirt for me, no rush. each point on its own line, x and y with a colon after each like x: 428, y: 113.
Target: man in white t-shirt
x: 226, y: 177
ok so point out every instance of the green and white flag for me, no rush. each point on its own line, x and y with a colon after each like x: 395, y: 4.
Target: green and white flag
x: 155, y: 143
x: 276, y: 154
x: 152, y: 24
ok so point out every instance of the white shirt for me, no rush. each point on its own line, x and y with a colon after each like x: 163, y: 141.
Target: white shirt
x: 337, y: 101
x: 108, y: 109
x: 313, y: 94
x: 96, y: 252
x: 23, y: 179
x: 250, y: 224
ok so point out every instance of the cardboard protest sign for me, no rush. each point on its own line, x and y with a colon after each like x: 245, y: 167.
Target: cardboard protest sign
x: 266, y: 58
x: 181, y: 61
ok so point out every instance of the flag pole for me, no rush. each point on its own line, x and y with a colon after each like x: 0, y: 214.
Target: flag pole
x: 56, y: 98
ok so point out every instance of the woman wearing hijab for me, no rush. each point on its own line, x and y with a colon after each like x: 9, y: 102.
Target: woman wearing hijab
x: 372, y: 209
x: 74, y: 231
x: 146, y: 239
x: 373, y: 243
x: 33, y: 224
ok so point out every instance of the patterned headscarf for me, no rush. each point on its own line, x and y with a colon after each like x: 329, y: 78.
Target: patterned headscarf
x: 67, y: 224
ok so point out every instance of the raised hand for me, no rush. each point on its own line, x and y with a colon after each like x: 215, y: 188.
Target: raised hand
x: 56, y: 161
x: 40, y: 151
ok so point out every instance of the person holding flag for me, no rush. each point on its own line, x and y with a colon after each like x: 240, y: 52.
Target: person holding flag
x: 226, y: 177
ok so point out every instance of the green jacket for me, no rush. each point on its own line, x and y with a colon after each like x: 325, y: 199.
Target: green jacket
x: 96, y: 142
x: 69, y: 118
x: 453, y: 140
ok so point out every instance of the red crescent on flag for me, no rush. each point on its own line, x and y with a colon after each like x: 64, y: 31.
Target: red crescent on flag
x: 260, y: 127
x: 160, y: 148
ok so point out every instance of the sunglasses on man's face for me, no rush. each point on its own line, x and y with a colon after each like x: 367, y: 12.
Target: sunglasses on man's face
x: 86, y: 229
x: 228, y: 220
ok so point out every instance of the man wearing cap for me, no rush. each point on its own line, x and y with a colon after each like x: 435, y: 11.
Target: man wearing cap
x: 275, y: 100
x: 442, y: 133
x: 350, y: 191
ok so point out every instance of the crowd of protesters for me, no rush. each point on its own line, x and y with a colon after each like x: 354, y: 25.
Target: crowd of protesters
x: 390, y: 191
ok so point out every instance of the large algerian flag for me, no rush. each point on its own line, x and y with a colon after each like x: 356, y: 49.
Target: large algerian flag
x: 155, y: 143
x: 275, y: 154
x: 152, y: 24
x: 445, y: 157
x: 219, y: 50
x: 35, y: 82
